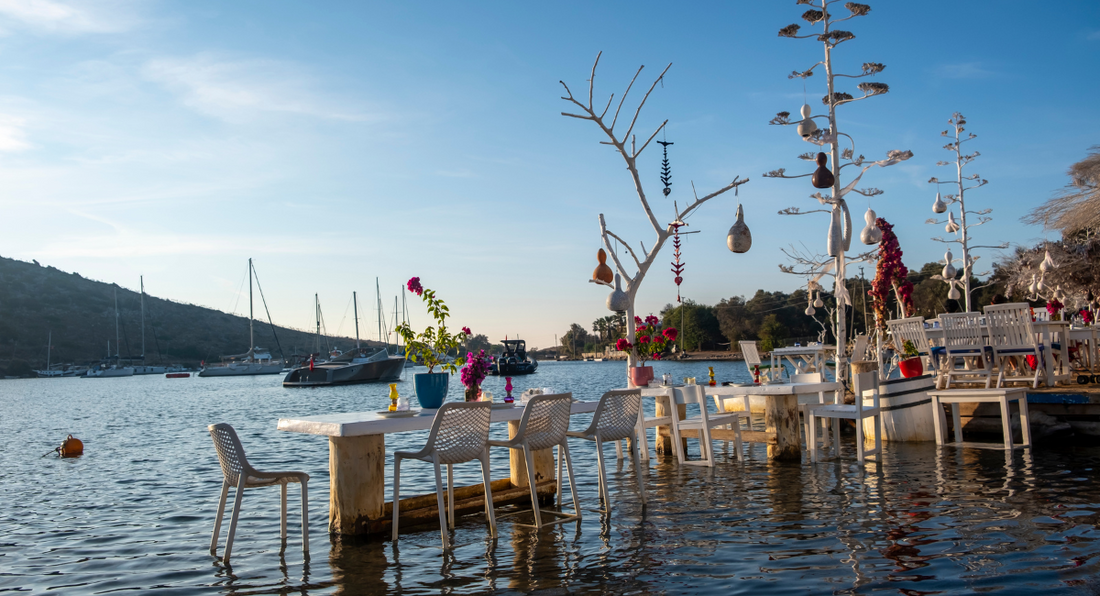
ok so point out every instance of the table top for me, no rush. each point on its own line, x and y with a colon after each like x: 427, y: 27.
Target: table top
x: 762, y: 389
x: 1010, y: 392
x: 793, y: 350
x: 354, y: 424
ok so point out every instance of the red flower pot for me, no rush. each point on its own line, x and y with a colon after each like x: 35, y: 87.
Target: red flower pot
x: 912, y: 367
x: 640, y: 376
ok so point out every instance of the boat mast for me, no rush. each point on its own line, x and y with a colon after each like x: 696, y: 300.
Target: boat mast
x: 251, y: 337
x: 378, y: 309
x: 117, y: 356
x: 49, y: 348
x: 355, y: 309
x: 142, y: 278
x: 317, y: 315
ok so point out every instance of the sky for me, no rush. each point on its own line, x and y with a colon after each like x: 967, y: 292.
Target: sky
x: 342, y: 142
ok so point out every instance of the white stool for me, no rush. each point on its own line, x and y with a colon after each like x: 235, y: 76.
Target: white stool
x: 1002, y: 396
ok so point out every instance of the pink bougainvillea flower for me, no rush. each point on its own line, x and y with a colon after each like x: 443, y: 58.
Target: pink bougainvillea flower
x: 415, y: 287
x: 466, y: 330
x: 656, y: 356
x: 622, y: 345
x: 651, y: 320
x: 643, y: 339
x: 670, y: 334
x: 638, y: 320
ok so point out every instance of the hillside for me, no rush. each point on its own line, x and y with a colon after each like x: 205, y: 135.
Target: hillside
x: 37, y: 300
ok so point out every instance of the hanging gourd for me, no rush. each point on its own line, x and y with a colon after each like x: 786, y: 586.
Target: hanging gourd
x: 739, y: 239
x: 71, y: 447
x: 870, y: 234
x: 1048, y: 263
x: 939, y: 206
x: 953, y: 293
x: 834, y: 244
x: 1033, y: 287
x: 822, y: 177
x: 807, y: 128
x: 810, y: 303
x: 602, y: 273
x: 949, y: 270
x: 618, y: 301
x: 819, y: 302
x: 952, y: 226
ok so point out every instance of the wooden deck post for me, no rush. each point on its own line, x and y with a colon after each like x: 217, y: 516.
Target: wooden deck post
x: 781, y: 418
x: 544, y: 462
x: 357, y: 483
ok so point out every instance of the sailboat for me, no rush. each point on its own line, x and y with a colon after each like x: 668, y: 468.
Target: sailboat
x: 115, y: 370
x: 49, y: 372
x: 353, y: 366
x: 256, y: 361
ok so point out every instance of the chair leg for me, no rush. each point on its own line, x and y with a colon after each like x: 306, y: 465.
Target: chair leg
x: 602, y: 476
x: 396, y: 496
x: 305, y: 517
x: 811, y: 436
x: 706, y: 449
x: 638, y: 476
x: 282, y: 522
x: 737, y: 440
x: 218, y: 518
x: 233, y: 520
x: 441, y: 504
x: 530, y: 461
x: 490, y: 512
x: 859, y: 438
x: 563, y: 452
x: 451, y: 496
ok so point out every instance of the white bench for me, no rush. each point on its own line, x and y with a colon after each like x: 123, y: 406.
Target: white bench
x: 1002, y: 396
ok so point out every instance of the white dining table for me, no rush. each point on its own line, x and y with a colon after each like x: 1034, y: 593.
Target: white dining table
x: 781, y: 422
x: 357, y: 455
x: 802, y: 358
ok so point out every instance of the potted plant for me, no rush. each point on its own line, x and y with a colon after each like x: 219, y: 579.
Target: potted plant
x: 650, y: 343
x: 1054, y: 309
x: 430, y: 348
x: 910, y: 364
x: 477, y: 367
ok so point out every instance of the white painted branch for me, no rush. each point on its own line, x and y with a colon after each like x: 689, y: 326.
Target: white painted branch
x: 687, y: 210
x: 623, y: 98
x: 625, y: 244
x: 642, y: 103
x: 646, y: 144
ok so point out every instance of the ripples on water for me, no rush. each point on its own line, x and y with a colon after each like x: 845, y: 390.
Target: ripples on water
x: 135, y: 512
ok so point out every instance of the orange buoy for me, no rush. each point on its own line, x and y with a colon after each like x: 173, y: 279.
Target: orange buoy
x: 71, y: 447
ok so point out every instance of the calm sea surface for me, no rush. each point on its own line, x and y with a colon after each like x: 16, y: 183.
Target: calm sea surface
x: 136, y: 511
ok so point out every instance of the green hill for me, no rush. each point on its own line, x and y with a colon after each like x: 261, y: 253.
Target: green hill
x: 80, y: 313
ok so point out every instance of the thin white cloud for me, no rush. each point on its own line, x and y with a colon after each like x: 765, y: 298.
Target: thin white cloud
x: 964, y: 70
x: 236, y: 90
x: 12, y: 137
x: 1093, y: 35
x: 68, y: 17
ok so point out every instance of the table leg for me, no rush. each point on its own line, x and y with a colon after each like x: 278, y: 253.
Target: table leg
x: 1025, y: 421
x: 781, y: 418
x: 357, y: 483
x: 1006, y: 422
x: 1048, y: 358
x: 544, y: 461
x: 663, y: 443
x: 939, y: 421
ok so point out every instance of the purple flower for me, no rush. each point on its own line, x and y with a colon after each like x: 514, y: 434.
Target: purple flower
x: 415, y: 287
x: 466, y: 330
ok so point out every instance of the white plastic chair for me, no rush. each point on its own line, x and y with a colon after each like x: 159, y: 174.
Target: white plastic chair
x: 615, y: 419
x: 864, y: 383
x: 1011, y: 334
x: 912, y: 329
x: 752, y: 358
x: 460, y: 433
x: 236, y: 472
x: 543, y: 425
x: 703, y: 423
x: 963, y: 338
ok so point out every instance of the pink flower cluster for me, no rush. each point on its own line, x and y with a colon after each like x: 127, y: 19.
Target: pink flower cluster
x: 1054, y: 307
x: 477, y: 367
x: 415, y: 287
x: 650, y: 340
x: 890, y: 273
x: 466, y: 330
x: 1086, y: 316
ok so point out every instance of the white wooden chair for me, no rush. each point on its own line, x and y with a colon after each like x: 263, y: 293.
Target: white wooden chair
x: 644, y: 423
x: 544, y: 425
x: 236, y: 472
x: 703, y: 423
x: 615, y: 419
x: 822, y: 399
x: 859, y: 349
x: 460, y: 433
x: 752, y: 358
x: 1012, y: 335
x: 863, y: 383
x: 963, y: 338
x: 912, y: 329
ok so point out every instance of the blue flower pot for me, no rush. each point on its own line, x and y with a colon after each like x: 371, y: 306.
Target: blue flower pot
x: 431, y: 389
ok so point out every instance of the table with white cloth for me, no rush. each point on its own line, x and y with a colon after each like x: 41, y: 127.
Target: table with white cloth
x: 781, y: 423
x: 357, y: 456
x: 802, y: 358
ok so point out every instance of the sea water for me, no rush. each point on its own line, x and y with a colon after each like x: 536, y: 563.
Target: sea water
x: 135, y: 512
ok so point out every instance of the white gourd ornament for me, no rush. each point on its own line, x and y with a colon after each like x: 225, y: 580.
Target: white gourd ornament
x: 819, y: 302
x: 835, y: 242
x: 1031, y: 288
x: 1048, y: 263
x: 618, y: 301
x: 954, y: 293
x: 952, y: 226
x: 949, y: 270
x: 739, y: 239
x: 810, y: 305
x: 939, y: 206
x: 807, y: 126
x: 870, y: 234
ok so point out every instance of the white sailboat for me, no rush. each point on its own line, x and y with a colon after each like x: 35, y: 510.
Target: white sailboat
x: 256, y: 361
x: 115, y: 370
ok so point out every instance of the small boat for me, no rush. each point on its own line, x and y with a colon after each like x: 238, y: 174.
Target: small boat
x: 106, y: 372
x: 256, y: 361
x: 177, y: 375
x: 514, y: 361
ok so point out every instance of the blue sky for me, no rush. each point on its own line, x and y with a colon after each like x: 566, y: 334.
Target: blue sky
x: 339, y: 142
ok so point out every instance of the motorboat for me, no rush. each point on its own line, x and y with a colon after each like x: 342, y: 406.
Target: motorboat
x: 105, y: 372
x: 353, y: 366
x: 514, y: 361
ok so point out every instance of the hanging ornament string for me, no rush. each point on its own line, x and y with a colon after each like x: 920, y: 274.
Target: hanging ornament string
x: 677, y: 266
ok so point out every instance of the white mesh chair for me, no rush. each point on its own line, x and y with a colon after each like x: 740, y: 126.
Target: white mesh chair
x: 863, y: 383
x: 615, y: 419
x: 543, y: 426
x: 1010, y: 335
x: 912, y: 329
x: 703, y: 423
x: 963, y: 338
x: 460, y: 433
x: 236, y: 472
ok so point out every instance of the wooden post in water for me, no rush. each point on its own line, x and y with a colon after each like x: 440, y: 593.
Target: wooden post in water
x: 544, y: 462
x: 357, y: 472
x: 781, y: 418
